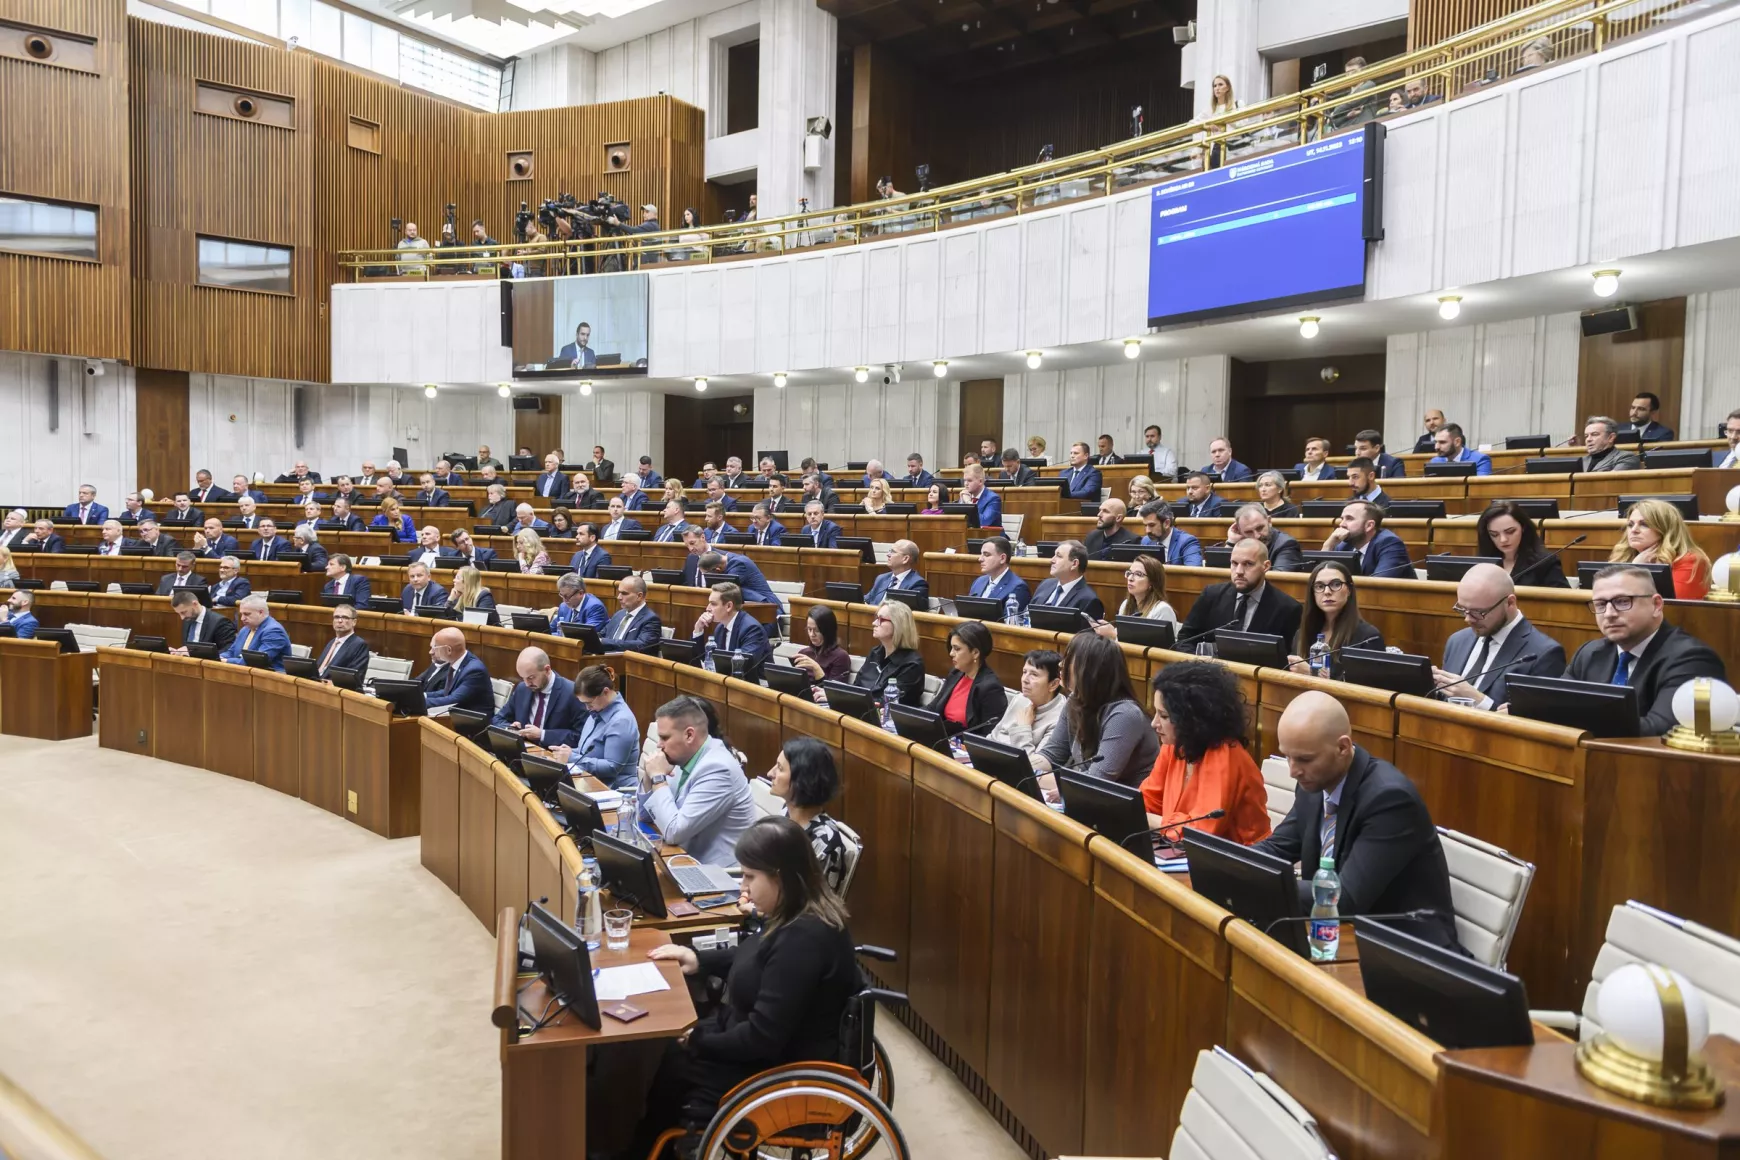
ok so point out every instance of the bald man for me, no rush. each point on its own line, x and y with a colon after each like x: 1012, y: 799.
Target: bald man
x: 1364, y: 817
x: 902, y: 559
x: 1109, y: 529
x: 542, y: 708
x: 455, y: 678
x: 1495, y: 642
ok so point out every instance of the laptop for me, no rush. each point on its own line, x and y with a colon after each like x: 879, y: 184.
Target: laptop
x: 699, y: 878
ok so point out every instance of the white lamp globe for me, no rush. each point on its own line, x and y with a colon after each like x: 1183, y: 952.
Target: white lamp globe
x: 1630, y: 1011
x: 147, y: 494
x: 1724, y: 704
x: 1734, y: 500
x: 1722, y: 570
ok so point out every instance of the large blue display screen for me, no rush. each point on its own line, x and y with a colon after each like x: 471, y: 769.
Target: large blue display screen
x: 1277, y: 230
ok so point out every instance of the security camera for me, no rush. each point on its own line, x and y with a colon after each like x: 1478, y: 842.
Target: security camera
x: 890, y: 374
x: 93, y: 368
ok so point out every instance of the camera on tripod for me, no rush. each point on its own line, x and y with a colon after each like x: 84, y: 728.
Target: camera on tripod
x: 601, y: 216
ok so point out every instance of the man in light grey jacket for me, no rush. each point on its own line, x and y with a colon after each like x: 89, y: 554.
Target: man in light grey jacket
x: 704, y: 803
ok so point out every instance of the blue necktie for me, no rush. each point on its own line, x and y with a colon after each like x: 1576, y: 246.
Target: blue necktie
x: 1622, y: 670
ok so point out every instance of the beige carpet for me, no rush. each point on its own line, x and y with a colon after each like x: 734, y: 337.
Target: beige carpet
x: 192, y: 967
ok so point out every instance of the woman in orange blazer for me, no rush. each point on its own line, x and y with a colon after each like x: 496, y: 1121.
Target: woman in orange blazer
x: 1203, y: 766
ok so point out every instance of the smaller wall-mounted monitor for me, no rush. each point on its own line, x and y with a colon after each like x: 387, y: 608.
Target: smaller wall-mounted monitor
x: 580, y: 326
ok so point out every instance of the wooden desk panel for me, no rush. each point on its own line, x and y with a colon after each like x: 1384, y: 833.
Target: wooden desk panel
x: 44, y: 692
x: 877, y: 802
x: 320, y: 717
x: 229, y: 719
x: 477, y: 831
x: 1369, y: 710
x: 179, y: 695
x: 382, y: 784
x: 544, y: 875
x: 650, y: 682
x: 1158, y: 995
x: 952, y: 861
x: 512, y: 839
x: 277, y: 732
x: 438, y: 801
x: 753, y: 723
x: 128, y: 721
x: 800, y: 718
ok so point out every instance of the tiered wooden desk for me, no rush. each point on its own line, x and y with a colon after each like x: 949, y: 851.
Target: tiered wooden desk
x: 44, y: 692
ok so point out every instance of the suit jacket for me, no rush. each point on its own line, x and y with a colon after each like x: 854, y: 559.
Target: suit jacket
x: 985, y: 702
x: 269, y: 638
x: 165, y: 546
x: 1482, y: 462
x: 1234, y: 472
x: 643, y: 635
x: 1097, y: 541
x: 499, y: 514
x: 95, y: 514
x: 1285, y: 554
x: 13, y: 537
x: 227, y: 593
x: 1616, y: 459
x: 451, y: 479
x: 650, y: 480
x: 192, y: 518
x: 1389, y: 467
x: 1023, y: 477
x: 1082, y: 482
x: 607, y: 532
x: 590, y: 611
x: 252, y: 493
x: 166, y: 584
x: 356, y: 588
x: 1007, y: 585
x: 744, y: 636
x: 665, y: 533
x: 314, y: 558
x: 1386, y: 555
x: 53, y: 543
x: 1424, y: 444
x: 728, y: 502
x: 785, y: 505
x: 1329, y: 472
x: 352, y: 654
x: 587, y: 562
x: 1720, y: 456
x: 922, y: 479
x: 1208, y: 508
x: 213, y: 494
x: 591, y: 500
x: 1387, y: 851
x: 211, y: 629
x: 1081, y: 596
x: 1378, y: 496
x: 990, y: 506
x: 127, y: 517
x: 563, y: 714
x: 771, y: 535
x: 24, y: 626
x: 744, y: 479
x: 584, y: 357
x: 826, y: 536
x: 432, y: 498
x: 1650, y: 432
x: 433, y: 594
x: 466, y: 687
x: 911, y: 582
x: 603, y: 471
x: 1276, y: 613
x: 633, y: 503
x: 714, y: 535
x: 749, y: 578
x: 1673, y: 658
x: 1183, y: 549
x: 1525, y: 638
x: 288, y: 478
x: 270, y: 551
x: 350, y: 523
x: 120, y: 546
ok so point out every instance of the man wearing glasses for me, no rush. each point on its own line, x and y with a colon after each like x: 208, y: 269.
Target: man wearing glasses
x: 1479, y: 657
x: 1639, y: 648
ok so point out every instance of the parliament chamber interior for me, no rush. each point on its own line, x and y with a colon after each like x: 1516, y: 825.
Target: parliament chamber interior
x: 475, y: 466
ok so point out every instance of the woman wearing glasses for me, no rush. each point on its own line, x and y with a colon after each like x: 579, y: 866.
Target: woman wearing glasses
x: 1145, y: 581
x: 895, y: 657
x: 1655, y: 534
x: 1332, y: 613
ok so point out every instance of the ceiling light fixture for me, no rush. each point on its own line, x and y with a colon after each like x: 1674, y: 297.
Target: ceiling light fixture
x: 861, y: 374
x: 779, y: 378
x: 585, y: 388
x: 1606, y: 283
x: 700, y: 383
x: 505, y: 390
x: 1034, y: 358
x: 1449, y: 306
x: 430, y: 391
x: 1132, y: 348
x: 1308, y: 326
x: 940, y: 367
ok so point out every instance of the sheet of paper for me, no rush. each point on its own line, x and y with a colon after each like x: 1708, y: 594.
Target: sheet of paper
x: 614, y: 984
x: 438, y: 711
x: 607, y: 799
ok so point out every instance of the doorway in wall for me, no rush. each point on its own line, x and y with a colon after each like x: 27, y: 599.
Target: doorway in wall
x: 701, y: 429
x: 981, y: 414
x: 1278, y: 405
x: 538, y: 425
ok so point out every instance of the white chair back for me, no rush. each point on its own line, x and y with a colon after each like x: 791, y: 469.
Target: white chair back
x: 503, y: 690
x: 881, y: 549
x: 91, y: 637
x: 854, y: 847
x: 932, y: 685
x: 1012, y: 524
x: 301, y: 650
x: 1234, y: 1113
x: 392, y: 668
x: 762, y: 791
x: 1487, y: 889
x: 1278, y: 785
x: 1709, y: 958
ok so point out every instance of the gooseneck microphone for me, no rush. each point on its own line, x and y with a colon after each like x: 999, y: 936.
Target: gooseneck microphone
x: 1193, y: 637
x: 1409, y: 915
x: 1472, y: 677
x: 1515, y: 577
x: 1209, y: 816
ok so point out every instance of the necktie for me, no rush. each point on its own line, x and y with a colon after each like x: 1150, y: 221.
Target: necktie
x: 1479, y: 667
x: 252, y: 633
x: 1733, y: 459
x: 1326, y: 836
x: 326, y: 657
x: 1239, y: 608
x: 1622, y: 670
x: 1056, y: 595
x: 538, y: 711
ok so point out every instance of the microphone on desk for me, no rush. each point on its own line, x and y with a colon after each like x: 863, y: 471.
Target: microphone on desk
x: 1208, y: 817
x: 1469, y: 680
x: 1233, y: 623
x: 1408, y: 915
x: 1554, y: 555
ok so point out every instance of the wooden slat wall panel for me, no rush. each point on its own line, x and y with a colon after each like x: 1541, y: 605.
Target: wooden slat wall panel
x: 62, y: 136
x: 1430, y: 21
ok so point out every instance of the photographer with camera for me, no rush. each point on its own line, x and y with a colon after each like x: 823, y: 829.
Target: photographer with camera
x: 449, y: 241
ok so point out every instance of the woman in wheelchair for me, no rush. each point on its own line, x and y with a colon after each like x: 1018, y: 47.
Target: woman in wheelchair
x: 786, y: 986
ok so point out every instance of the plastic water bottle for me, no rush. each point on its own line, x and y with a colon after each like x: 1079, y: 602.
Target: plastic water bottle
x: 1319, y: 658
x: 1325, y: 924
x: 1011, y: 610
x: 890, y: 698
x: 707, y: 656
x: 737, y: 665
x: 589, y: 908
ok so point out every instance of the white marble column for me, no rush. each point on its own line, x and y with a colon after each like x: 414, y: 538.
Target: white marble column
x: 1226, y: 43
x: 797, y: 83
x: 1496, y: 379
x: 1711, y: 384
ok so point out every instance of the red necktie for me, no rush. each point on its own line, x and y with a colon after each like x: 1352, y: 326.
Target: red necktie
x: 538, y: 711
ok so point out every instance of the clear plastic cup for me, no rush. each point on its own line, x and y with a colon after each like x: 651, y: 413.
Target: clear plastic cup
x: 617, y: 924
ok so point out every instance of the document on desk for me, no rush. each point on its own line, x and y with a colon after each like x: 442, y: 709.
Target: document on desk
x: 614, y: 984
x: 438, y: 711
x: 607, y: 799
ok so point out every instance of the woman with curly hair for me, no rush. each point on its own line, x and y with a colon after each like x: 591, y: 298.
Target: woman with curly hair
x: 1201, y: 719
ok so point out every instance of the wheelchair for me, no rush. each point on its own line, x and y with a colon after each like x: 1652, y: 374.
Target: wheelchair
x: 838, y: 1109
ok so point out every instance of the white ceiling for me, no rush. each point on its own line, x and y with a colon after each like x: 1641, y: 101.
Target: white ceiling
x: 504, y: 28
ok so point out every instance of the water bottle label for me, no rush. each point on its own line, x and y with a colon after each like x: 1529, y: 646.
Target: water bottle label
x: 1326, y: 931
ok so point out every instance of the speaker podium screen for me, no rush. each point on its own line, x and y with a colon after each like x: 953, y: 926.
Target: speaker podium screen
x: 1280, y: 230
x: 583, y: 325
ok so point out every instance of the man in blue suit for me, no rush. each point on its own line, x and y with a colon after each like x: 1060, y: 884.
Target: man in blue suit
x: 43, y: 538
x: 553, y: 483
x: 580, y: 352
x: 727, y: 628
x: 1728, y: 456
x: 1452, y: 447
x: 764, y: 527
x: 650, y: 480
x: 231, y: 587
x: 1221, y: 462
x: 270, y: 545
x: 816, y: 523
x: 974, y: 491
x: 717, y: 528
x: 1316, y: 468
x: 456, y: 677
x: 1067, y: 586
x: 542, y: 708
x: 1199, y: 498
x: 576, y: 605
x: 240, y: 487
x: 996, y: 580
x: 671, y: 521
x: 619, y: 522
x: 469, y: 553
x: 430, y: 495
x: 1081, y: 479
x: 902, y: 559
x: 1369, y: 444
x: 743, y: 571
x: 420, y: 591
x: 19, y: 616
x: 87, y: 510
x: 341, y: 581
x: 1645, y: 419
x: 258, y: 633
x: 1175, y: 545
x: 590, y: 556
x: 716, y: 495
x: 1360, y: 530
x: 635, y: 627
x: 633, y: 498
x: 1496, y: 638
x: 916, y: 475
x: 214, y: 543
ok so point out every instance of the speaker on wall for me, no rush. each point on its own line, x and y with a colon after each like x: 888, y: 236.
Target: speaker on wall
x: 617, y: 157
x: 1613, y: 320
x: 520, y: 165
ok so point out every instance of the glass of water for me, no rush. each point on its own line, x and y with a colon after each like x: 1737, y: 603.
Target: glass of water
x: 616, y: 927
x: 1205, y: 650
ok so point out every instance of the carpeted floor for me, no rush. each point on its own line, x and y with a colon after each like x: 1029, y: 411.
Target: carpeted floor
x: 193, y: 966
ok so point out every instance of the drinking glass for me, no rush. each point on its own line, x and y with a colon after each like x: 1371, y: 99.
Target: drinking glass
x: 616, y: 927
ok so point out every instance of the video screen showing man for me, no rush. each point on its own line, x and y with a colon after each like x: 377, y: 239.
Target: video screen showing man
x: 579, y: 353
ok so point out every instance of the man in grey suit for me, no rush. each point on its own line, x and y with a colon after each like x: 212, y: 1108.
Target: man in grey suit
x: 1498, y: 634
x: 183, y: 575
x: 1253, y: 523
x: 1728, y: 456
x: 702, y: 800
x: 1599, y: 436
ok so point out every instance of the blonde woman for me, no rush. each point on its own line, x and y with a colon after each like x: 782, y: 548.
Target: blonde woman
x: 1655, y: 534
x: 895, y: 657
x: 468, y: 591
x: 8, y: 570
x: 1141, y: 492
x: 876, y: 497
x: 674, y: 493
x: 1221, y: 103
x: 395, y: 521
x: 1036, y: 449
x: 529, y: 551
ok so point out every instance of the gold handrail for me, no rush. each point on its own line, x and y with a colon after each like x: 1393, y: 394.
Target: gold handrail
x: 1338, y: 104
x: 29, y: 1131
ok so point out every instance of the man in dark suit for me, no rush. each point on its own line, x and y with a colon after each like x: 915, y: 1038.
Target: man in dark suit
x: 552, y: 483
x: 16, y: 612
x: 816, y: 489
x: 635, y: 627
x: 1174, y: 544
x: 1246, y: 602
x: 1067, y: 587
x: 456, y: 677
x: 1366, y: 817
x: 214, y: 543
x: 1109, y: 529
x: 916, y: 475
x: 650, y: 480
x: 726, y: 628
x: 766, y: 530
x: 1081, y: 479
x: 1728, y: 456
x: 672, y: 517
x: 182, y: 513
x: 632, y: 497
x: 421, y: 590
x: 902, y: 559
x: 590, y: 556
x: 270, y: 545
x: 200, y: 625
x: 1369, y: 444
x: 257, y: 632
x: 298, y: 473
x: 1015, y: 472
x: 735, y: 476
x: 240, y: 488
x: 744, y: 572
x: 1427, y: 443
x: 542, y: 708
x: 1361, y: 530
x: 824, y: 531
x: 601, y: 469
x: 204, y: 491
x: 231, y: 586
x: 87, y: 510
x: 996, y: 580
x: 1645, y: 418
x: 1362, y: 479
x: 1316, y: 468
x: 1600, y: 447
x: 133, y: 509
x: 1199, y: 498
x: 430, y: 495
x: 346, y: 650
x: 1639, y: 648
x: 498, y: 511
x: 619, y: 522
x: 341, y: 581
x: 580, y: 352
x: 43, y: 538
x: 1253, y: 523
x: 15, y: 529
x: 445, y: 476
x: 778, y: 502
x: 715, y: 527
x: 113, y: 542
x: 1498, y: 635
x: 152, y: 537
x: 429, y: 550
x: 342, y: 518
x: 584, y: 495
x: 1106, y: 455
x: 469, y: 553
x: 183, y: 575
x: 1222, y: 463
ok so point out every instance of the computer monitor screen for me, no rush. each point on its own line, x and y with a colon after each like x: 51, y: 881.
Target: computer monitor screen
x: 585, y: 634
x: 916, y: 601
x: 1663, y: 574
x: 1450, y: 469
x: 559, y: 954
x: 580, y: 814
x: 531, y: 622
x: 845, y: 591
x: 979, y: 608
x: 920, y: 725
x: 1527, y: 442
x: 155, y: 644
x: 406, y: 697
x: 542, y: 775
x: 1112, y: 810
x: 630, y: 873
x: 1448, y: 996
x: 255, y: 659
x: 1260, y: 888
x: 851, y: 699
x: 65, y: 638
x: 1251, y: 648
x: 1416, y: 509
x: 1056, y: 618
x: 1598, y: 708
x: 468, y: 723
x: 1684, y: 457
x: 305, y: 667
x: 1143, y: 632
x: 342, y: 677
x: 785, y: 679
x: 1451, y: 568
x: 1378, y: 669
x: 1552, y: 465
x: 580, y: 325
x: 505, y: 744
x: 1006, y: 763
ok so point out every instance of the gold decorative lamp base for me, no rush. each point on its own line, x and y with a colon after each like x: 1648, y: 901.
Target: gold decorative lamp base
x: 1700, y: 734
x: 1612, y: 1068
x: 1691, y: 741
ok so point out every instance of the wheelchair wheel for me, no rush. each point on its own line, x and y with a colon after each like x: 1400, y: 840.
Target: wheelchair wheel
x: 861, y: 1134
x: 817, y: 1109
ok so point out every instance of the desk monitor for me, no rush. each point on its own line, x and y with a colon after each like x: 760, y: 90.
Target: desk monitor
x: 134, y: 588
x: 1451, y: 568
x: 585, y: 634
x: 384, y: 604
x: 468, y: 723
x: 343, y: 678
x: 334, y: 599
x: 1450, y: 469
x: 844, y: 590
x: 1663, y: 574
x: 1323, y: 509
x: 1450, y: 997
x: 386, y: 561
x: 1552, y: 465
x: 507, y: 746
x: 916, y: 601
x: 1143, y: 632
x: 614, y: 572
x: 406, y: 697
x: 1057, y: 618
x: 629, y: 872
x: 542, y: 775
x: 519, y: 463
x: 920, y: 725
x: 1259, y: 888
x: 853, y: 700
x: 255, y: 659
x: 1112, y: 810
x: 1090, y: 507
x: 485, y: 530
x: 559, y: 956
x: 799, y: 540
x: 83, y: 586
x: 860, y: 544
x: 894, y: 508
x: 666, y: 575
x: 151, y: 644
x: 632, y: 535
x: 1681, y: 457
x: 1044, y: 549
x: 499, y: 565
x: 785, y: 679
x: 531, y: 622
x: 1124, y: 553
x: 305, y: 667
x: 680, y: 649
x: 580, y: 814
x: 980, y: 608
x: 1535, y: 507
x: 1378, y: 669
x: 1527, y: 442
x: 141, y: 550
x: 1218, y: 556
x: 1686, y: 505
x: 1600, y: 709
x: 1251, y: 648
x: 969, y: 510
x: 205, y: 650
x: 737, y: 539
x: 1415, y: 509
x: 437, y: 611
x: 284, y: 596
x: 1006, y: 763
x: 1316, y: 556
